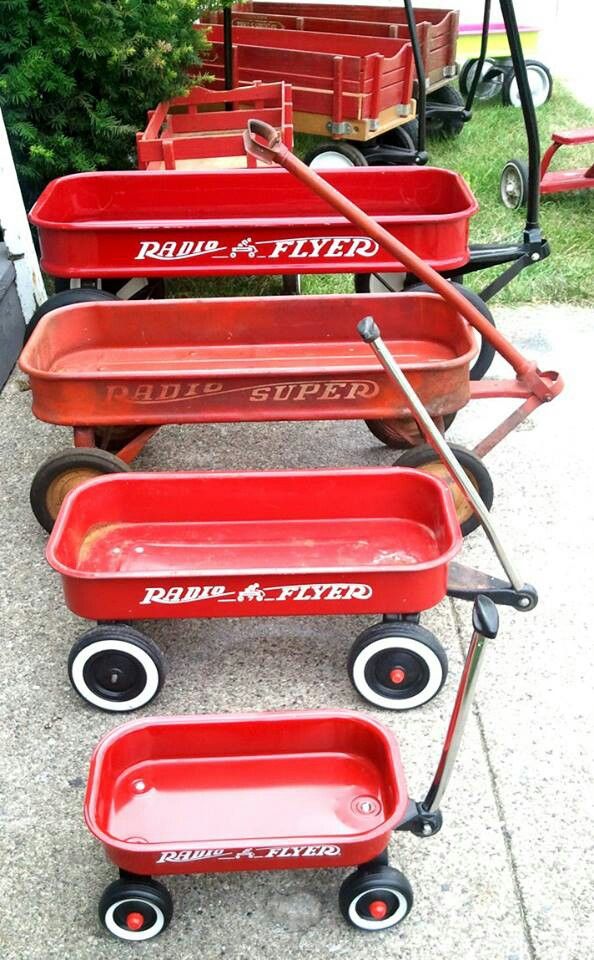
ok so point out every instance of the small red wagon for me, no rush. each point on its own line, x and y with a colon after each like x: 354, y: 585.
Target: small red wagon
x: 205, y: 128
x: 285, y: 543
x: 268, y: 791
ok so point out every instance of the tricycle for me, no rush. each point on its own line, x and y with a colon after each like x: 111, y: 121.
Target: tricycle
x: 264, y: 791
x: 515, y: 177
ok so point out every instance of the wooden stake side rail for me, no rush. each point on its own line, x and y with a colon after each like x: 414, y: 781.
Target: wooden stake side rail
x: 190, y: 131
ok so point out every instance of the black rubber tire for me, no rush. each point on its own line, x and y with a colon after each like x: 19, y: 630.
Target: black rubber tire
x: 446, y: 128
x: 405, y: 136
x: 64, y: 299
x: 487, y: 352
x: 154, y: 288
x: 352, y: 154
x: 513, y: 184
x: 488, y: 90
x: 116, y: 649
x: 402, y: 645
x: 89, y: 460
x: 383, y: 884
x: 113, y: 439
x: 509, y: 93
x: 386, y: 431
x: 145, y: 896
x: 420, y: 457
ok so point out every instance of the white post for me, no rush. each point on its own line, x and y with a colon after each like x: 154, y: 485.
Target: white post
x: 17, y: 235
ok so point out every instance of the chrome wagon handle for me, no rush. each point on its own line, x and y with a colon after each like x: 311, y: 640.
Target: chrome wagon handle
x: 370, y: 333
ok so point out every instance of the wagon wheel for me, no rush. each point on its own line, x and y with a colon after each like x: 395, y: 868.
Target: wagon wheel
x: 63, y: 472
x: 445, y: 127
x: 375, y: 898
x: 426, y: 459
x: 397, y: 665
x: 335, y: 155
x: 64, y: 299
x: 490, y: 83
x: 404, y: 434
x: 114, y: 439
x: 124, y: 288
x: 541, y: 85
x: 513, y: 186
x: 135, y: 910
x: 116, y: 668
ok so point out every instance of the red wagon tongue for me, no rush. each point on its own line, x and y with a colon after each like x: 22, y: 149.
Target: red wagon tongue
x: 378, y: 909
x: 134, y: 921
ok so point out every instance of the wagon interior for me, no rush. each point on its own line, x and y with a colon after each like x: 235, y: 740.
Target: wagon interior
x: 282, y: 522
x: 197, y: 780
x: 180, y: 198
x: 239, y: 336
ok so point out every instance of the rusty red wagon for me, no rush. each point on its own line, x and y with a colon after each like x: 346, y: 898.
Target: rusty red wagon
x: 266, y: 791
x: 284, y: 543
x: 204, y: 129
x: 115, y: 372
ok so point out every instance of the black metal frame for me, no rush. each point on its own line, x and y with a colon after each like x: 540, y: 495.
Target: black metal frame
x: 534, y: 246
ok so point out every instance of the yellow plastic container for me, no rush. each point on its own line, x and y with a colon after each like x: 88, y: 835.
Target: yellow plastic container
x: 469, y: 42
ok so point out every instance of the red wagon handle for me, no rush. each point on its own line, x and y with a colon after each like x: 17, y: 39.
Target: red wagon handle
x: 263, y: 142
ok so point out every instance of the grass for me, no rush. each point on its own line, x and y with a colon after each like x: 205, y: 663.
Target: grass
x: 494, y: 135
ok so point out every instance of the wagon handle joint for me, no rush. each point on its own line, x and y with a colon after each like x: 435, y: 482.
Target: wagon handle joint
x: 264, y: 142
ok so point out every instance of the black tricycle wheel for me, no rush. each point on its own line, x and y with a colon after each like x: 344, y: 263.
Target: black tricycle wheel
x: 64, y: 471
x: 116, y: 668
x: 375, y: 898
x: 426, y: 459
x: 136, y: 909
x: 65, y: 298
x: 513, y: 185
x: 397, y: 665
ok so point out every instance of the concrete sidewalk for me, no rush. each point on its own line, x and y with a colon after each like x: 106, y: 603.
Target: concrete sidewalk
x: 510, y: 875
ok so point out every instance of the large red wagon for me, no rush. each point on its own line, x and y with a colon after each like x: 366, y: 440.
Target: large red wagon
x: 344, y: 86
x: 285, y: 543
x: 267, y: 791
x: 189, y: 223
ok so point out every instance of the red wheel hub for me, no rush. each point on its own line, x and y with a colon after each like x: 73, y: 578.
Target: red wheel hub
x: 378, y: 909
x: 397, y: 676
x: 134, y: 921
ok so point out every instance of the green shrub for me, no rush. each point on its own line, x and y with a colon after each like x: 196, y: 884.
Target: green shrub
x: 77, y: 76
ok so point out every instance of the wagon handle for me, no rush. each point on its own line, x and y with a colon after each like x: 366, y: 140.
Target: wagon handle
x: 370, y: 333
x: 262, y: 141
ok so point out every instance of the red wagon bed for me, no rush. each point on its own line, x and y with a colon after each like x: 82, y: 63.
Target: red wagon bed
x: 261, y: 791
x: 177, y: 223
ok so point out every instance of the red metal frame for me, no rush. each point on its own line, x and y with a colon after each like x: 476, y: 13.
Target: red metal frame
x: 344, y: 77
x: 135, y: 546
x: 197, y: 769
x: 190, y: 131
x: 437, y: 29
x: 559, y: 181
x: 189, y: 223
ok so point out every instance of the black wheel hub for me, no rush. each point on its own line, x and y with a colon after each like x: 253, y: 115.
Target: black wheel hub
x: 126, y: 913
x: 114, y: 675
x: 397, y: 674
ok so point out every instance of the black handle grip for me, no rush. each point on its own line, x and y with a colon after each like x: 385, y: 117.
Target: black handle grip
x: 485, y: 617
x: 368, y: 329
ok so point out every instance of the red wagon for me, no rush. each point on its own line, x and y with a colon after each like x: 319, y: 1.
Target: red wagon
x: 276, y: 791
x: 178, y: 223
x: 286, y: 543
x: 116, y: 371
x: 344, y: 86
x: 205, y: 128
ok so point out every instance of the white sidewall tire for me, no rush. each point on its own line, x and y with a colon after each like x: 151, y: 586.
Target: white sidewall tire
x: 436, y: 673
x: 123, y: 934
x: 331, y: 160
x: 542, y: 88
x: 391, y: 921
x: 114, y: 706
